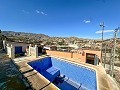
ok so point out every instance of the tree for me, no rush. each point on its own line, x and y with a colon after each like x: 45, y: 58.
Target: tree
x: 0, y: 32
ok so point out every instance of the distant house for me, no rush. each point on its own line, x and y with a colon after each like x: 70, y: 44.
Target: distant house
x: 63, y: 48
x: 50, y: 47
x: 73, y: 46
x: 46, y: 47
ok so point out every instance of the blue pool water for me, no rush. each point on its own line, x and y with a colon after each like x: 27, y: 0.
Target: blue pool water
x: 76, y: 76
x: 79, y: 74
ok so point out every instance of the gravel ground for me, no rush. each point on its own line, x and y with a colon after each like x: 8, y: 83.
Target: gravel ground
x: 116, y: 76
x: 10, y: 77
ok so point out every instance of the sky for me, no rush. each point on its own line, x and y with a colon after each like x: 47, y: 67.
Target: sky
x: 61, y: 18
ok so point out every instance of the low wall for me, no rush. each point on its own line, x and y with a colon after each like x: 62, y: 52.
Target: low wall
x: 78, y: 56
x: 58, y: 53
x: 75, y: 56
x: 66, y: 55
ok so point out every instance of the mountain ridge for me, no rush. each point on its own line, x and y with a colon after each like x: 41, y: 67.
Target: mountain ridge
x: 14, y: 33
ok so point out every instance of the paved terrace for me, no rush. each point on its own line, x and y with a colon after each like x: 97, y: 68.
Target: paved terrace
x: 105, y: 82
x: 37, y: 81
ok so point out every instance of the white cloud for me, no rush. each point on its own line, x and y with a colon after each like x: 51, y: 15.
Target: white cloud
x: 105, y: 31
x: 43, y: 13
x: 86, y: 21
x: 40, y: 12
x: 25, y: 11
x: 37, y: 11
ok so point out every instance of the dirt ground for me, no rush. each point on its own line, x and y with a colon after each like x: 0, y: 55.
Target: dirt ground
x: 10, y: 78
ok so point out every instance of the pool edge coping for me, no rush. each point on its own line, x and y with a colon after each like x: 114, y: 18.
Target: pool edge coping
x: 34, y: 59
x: 41, y: 74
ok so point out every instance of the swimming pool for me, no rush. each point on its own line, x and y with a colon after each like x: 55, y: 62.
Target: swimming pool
x: 76, y: 76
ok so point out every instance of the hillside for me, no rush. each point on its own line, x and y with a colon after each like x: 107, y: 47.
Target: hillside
x: 23, y: 34
x: 42, y: 38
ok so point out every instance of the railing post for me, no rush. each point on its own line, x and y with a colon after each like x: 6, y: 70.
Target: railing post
x: 29, y: 51
x: 36, y: 51
x: 12, y: 55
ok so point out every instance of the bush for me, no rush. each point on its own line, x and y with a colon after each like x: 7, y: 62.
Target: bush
x: 17, y: 55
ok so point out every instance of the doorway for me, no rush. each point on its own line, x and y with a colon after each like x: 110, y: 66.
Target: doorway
x: 90, y: 58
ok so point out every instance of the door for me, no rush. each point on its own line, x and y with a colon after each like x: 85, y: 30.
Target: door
x: 90, y: 58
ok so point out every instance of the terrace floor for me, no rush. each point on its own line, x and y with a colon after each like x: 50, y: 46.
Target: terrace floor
x: 39, y: 82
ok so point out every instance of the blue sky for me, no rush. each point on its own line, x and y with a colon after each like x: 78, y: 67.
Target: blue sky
x: 80, y: 18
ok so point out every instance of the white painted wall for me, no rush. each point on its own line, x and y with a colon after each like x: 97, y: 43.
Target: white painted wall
x: 33, y: 51
x: 10, y: 51
x: 24, y: 46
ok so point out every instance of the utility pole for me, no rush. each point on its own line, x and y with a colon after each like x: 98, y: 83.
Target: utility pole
x: 114, y: 51
x: 102, y: 26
